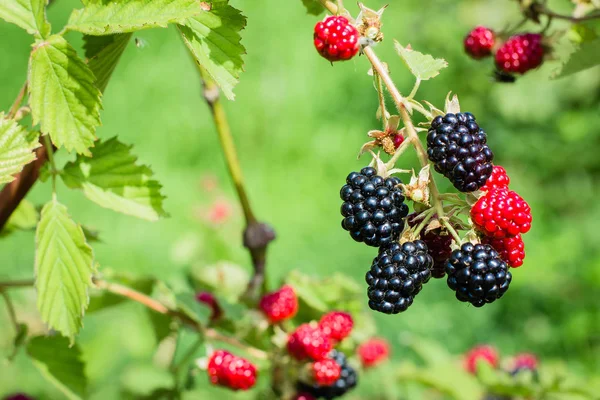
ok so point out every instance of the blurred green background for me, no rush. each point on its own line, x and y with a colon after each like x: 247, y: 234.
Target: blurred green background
x: 298, y: 123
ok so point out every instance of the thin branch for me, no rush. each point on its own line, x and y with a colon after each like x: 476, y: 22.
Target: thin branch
x: 11, y: 310
x: 381, y: 96
x: 551, y: 14
x: 17, y: 103
x: 16, y: 284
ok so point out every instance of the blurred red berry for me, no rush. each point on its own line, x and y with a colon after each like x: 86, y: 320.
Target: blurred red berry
x: 398, y: 140
x: 501, y: 213
x: 280, y: 305
x: 309, y: 341
x: 219, y: 212
x: 304, y: 396
x: 525, y: 361
x: 477, y: 354
x: 336, y: 39
x: 373, y: 352
x: 18, y: 396
x: 225, y: 369
x: 337, y: 325
x: 211, y: 301
x: 511, y: 250
x: 479, y: 42
x: 326, y: 372
x: 498, y: 179
x: 520, y: 53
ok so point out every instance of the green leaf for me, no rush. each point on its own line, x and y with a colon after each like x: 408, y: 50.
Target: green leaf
x: 121, y: 16
x: 161, y: 325
x: 187, y: 303
x: 112, y: 179
x: 144, y: 379
x: 60, y: 364
x: 213, y: 39
x: 223, y: 278
x: 63, y: 269
x: 313, y: 7
x: 422, y: 66
x: 25, y: 217
x: 16, y: 148
x: 103, y: 54
x: 28, y: 14
x: 586, y: 56
x: 63, y: 97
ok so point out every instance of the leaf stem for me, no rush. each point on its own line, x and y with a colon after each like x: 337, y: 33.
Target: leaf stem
x: 415, y: 88
x: 551, y: 14
x: 11, y: 310
x: 17, y: 103
x: 50, y: 151
x: 16, y: 284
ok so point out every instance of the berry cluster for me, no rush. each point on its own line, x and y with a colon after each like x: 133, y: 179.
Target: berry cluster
x: 225, y: 369
x: 516, y: 55
x: 347, y: 380
x: 438, y: 243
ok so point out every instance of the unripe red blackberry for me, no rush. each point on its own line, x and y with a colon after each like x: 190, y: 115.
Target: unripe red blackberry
x: 397, y: 275
x: 347, y: 380
x: 337, y: 325
x: 501, y: 213
x: 280, y: 305
x: 511, y: 250
x: 520, y: 53
x: 309, y: 341
x: 499, y: 179
x: 304, y: 396
x: 373, y: 352
x: 373, y: 207
x: 326, y: 372
x: 524, y: 361
x: 398, y: 140
x: 18, y: 396
x: 225, y: 369
x: 438, y: 243
x: 336, y: 39
x: 479, y: 42
x: 477, y: 274
x: 483, y: 353
x: 211, y: 301
x: 458, y: 148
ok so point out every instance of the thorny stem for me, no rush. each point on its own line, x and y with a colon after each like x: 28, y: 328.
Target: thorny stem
x: 381, y: 96
x: 428, y: 215
x: 50, y: 151
x: 17, y: 103
x: 11, y: 310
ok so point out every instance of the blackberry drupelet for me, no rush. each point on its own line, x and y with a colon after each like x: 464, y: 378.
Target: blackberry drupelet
x: 373, y: 207
x: 347, y: 380
x: 477, y: 274
x: 457, y: 147
x: 397, y: 276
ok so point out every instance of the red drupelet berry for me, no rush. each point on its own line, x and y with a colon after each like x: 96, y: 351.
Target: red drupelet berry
x: 236, y: 373
x: 280, y: 305
x: 479, y: 42
x: 309, y: 341
x: 501, y: 213
x: 373, y: 352
x: 511, y: 250
x: 18, y: 396
x: 477, y: 354
x: 211, y: 301
x: 498, y: 179
x: 336, y: 39
x: 304, y: 396
x: 525, y: 361
x: 337, y: 325
x: 398, y: 140
x: 520, y: 53
x: 326, y: 372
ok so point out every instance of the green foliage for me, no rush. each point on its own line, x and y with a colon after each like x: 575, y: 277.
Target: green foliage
x: 28, y: 14
x: 422, y: 66
x: 586, y: 56
x: 142, y: 380
x: 103, y: 54
x: 25, y: 217
x: 16, y: 148
x: 63, y: 268
x: 313, y: 7
x: 102, y: 299
x: 112, y: 179
x: 63, y: 97
x: 196, y: 311
x: 213, y: 38
x: 105, y: 18
x: 60, y: 363
x: 225, y: 278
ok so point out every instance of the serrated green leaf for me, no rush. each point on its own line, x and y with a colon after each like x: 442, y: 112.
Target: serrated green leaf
x: 213, y: 38
x: 63, y: 96
x: 28, y: 14
x: 60, y: 364
x: 121, y: 16
x: 313, y: 7
x: 112, y: 179
x: 63, y: 270
x: 422, y: 66
x: 586, y: 56
x: 25, y: 217
x: 16, y: 148
x: 103, y: 54
x: 187, y: 303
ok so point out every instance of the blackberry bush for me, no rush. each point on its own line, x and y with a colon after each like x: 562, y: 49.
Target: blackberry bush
x: 477, y: 274
x: 373, y: 207
x: 347, y: 381
x: 397, y: 276
x: 457, y: 146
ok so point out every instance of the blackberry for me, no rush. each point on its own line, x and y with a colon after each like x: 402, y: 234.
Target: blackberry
x: 477, y: 274
x: 438, y: 243
x: 373, y: 207
x: 347, y: 380
x: 457, y: 147
x: 397, y: 276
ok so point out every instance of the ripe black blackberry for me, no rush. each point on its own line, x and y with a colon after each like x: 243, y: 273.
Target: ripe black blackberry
x: 347, y: 380
x: 397, y: 276
x: 477, y: 274
x: 438, y: 243
x: 373, y: 207
x: 457, y: 147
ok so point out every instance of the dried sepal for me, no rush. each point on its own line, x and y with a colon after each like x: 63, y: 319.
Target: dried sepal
x: 369, y: 24
x: 369, y: 146
x: 451, y: 105
x: 418, y: 188
x: 433, y: 225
